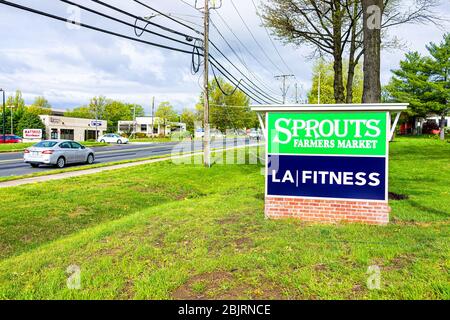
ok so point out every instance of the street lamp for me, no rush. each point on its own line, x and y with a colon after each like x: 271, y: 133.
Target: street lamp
x: 4, y: 115
x: 12, y: 119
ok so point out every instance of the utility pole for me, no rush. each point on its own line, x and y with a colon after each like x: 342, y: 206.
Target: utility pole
x: 96, y: 119
x: 206, y: 137
x: 296, y: 93
x: 284, y: 89
x: 153, y: 117
x: 12, y: 120
x: 4, y: 115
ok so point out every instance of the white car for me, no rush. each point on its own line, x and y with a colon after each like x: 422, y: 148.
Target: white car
x: 58, y: 153
x: 113, y: 138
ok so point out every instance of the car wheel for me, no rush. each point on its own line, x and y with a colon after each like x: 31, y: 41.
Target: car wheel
x: 119, y: 141
x: 61, y: 163
x: 90, y: 159
x: 34, y: 165
x: 102, y: 141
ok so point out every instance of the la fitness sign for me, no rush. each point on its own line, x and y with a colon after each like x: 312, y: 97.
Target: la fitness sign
x: 328, y: 163
x: 328, y: 155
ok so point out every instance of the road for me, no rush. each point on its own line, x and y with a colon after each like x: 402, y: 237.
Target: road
x: 11, y: 164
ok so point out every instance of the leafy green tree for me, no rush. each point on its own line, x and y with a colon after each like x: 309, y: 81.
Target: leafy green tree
x: 424, y: 82
x: 106, y: 109
x: 166, y: 113
x: 40, y: 106
x: 324, y: 71
x: 188, y: 117
x: 229, y: 109
x: 80, y: 112
x: 29, y: 121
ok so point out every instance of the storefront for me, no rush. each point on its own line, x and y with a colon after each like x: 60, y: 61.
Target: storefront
x: 147, y: 125
x: 77, y: 129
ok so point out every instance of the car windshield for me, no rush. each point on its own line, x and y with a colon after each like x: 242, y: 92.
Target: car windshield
x: 45, y: 144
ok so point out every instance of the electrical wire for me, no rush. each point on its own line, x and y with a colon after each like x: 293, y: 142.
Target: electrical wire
x: 215, y: 63
x: 239, y: 58
x: 87, y: 26
x: 240, y: 71
x: 270, y: 38
x: 254, y: 38
x: 126, y: 23
x: 168, y: 16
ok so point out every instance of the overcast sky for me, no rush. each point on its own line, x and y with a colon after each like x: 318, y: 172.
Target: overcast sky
x: 68, y: 66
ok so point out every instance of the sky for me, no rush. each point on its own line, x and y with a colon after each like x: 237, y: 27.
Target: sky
x: 69, y: 65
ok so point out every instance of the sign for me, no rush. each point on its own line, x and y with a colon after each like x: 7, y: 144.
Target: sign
x: 32, y: 134
x: 95, y: 123
x: 335, y: 155
x: 335, y: 133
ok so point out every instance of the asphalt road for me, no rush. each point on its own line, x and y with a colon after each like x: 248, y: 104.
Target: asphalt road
x: 11, y: 164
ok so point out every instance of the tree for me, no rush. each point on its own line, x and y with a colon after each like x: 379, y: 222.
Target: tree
x: 188, y: 117
x: 324, y: 70
x: 335, y: 28
x: 30, y: 121
x: 109, y: 110
x: 424, y: 82
x: 372, y: 12
x: 40, y: 106
x: 166, y: 113
x: 229, y: 109
x: 80, y: 112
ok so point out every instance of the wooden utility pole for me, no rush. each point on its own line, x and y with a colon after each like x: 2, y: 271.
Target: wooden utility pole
x: 153, y: 118
x: 206, y: 137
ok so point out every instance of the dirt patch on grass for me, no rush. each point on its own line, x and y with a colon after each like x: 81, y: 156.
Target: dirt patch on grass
x: 243, y: 243
x: 398, y: 197
x: 225, y: 286
x: 400, y: 262
x: 198, y: 286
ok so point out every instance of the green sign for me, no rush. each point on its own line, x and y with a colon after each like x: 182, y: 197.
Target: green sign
x: 333, y: 133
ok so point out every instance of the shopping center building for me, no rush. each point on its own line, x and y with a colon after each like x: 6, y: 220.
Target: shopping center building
x: 77, y: 129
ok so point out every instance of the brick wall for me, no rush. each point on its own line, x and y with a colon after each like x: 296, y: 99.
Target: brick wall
x: 325, y: 210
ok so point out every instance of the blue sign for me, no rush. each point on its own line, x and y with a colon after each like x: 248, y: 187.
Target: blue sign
x: 96, y: 123
x: 340, y: 177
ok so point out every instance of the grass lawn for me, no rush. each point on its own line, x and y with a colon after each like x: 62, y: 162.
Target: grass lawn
x: 18, y: 147
x: 166, y: 231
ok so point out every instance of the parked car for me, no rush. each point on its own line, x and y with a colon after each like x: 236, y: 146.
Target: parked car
x: 10, y: 139
x: 255, y: 135
x: 58, y: 153
x: 113, y: 138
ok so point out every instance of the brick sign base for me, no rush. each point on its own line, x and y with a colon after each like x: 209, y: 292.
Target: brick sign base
x: 315, y: 210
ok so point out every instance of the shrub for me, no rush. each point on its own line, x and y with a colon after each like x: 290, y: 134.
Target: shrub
x: 181, y: 135
x: 141, y: 135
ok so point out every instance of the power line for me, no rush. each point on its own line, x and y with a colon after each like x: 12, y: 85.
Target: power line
x: 254, y: 38
x: 239, y: 58
x: 84, y: 25
x: 168, y: 17
x: 219, y: 67
x: 126, y: 23
x: 195, y: 66
x: 261, y: 92
x: 270, y: 37
x: 242, y: 44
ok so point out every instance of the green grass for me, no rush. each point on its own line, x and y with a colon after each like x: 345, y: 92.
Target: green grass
x: 166, y: 231
x: 18, y: 147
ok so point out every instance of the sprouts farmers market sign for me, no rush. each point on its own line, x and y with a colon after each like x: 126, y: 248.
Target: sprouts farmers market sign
x: 328, y: 162
x: 329, y: 155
